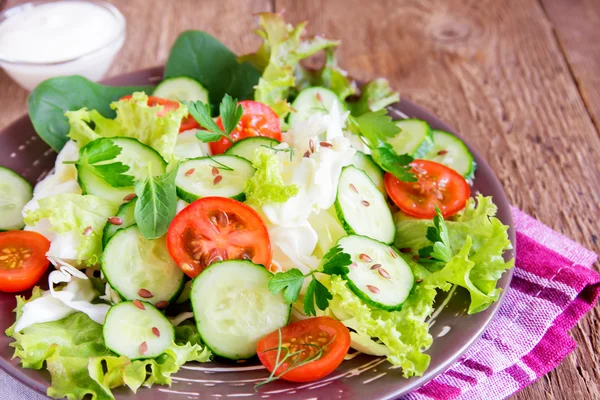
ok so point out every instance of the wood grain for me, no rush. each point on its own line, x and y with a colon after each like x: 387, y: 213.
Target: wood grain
x: 517, y: 78
x: 495, y: 71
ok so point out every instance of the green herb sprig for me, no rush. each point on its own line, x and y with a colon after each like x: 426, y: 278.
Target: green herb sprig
x: 336, y: 262
x: 439, y: 251
x: 289, y: 150
x: 229, y: 111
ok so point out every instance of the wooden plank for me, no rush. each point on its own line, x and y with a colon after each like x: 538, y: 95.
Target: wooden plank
x: 575, y: 24
x: 494, y: 70
x: 152, y: 27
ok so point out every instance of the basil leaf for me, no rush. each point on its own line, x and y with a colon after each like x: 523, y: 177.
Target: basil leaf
x: 202, y: 57
x: 157, y: 204
x: 50, y: 100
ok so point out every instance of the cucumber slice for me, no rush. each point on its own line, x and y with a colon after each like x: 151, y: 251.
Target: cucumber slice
x: 382, y: 279
x: 142, y: 269
x: 246, y: 148
x: 181, y: 88
x: 452, y: 152
x: 314, y: 100
x: 137, y: 156
x: 415, y: 138
x: 366, y: 163
x: 199, y: 177
x: 188, y: 146
x: 126, y: 213
x: 234, y: 308
x: 137, y: 330
x: 361, y: 208
x: 15, y: 192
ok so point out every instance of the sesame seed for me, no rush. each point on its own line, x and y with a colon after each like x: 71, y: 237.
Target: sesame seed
x: 365, y: 258
x: 384, y: 273
x: 354, y: 189
x: 87, y: 231
x: 326, y: 144
x: 139, y: 304
x: 353, y: 265
x: 115, y: 220
x: 145, y: 293
x: 373, y: 289
x: 155, y: 331
x: 162, y: 304
x: 217, y: 179
x: 442, y: 152
x: 376, y: 266
x: 365, y: 203
x: 143, y: 348
x: 215, y: 171
x: 129, y: 197
x: 190, y: 171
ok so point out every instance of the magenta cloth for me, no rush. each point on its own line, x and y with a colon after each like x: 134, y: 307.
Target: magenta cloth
x: 553, y: 286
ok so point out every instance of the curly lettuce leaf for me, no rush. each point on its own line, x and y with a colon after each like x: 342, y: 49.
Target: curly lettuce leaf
x: 477, y: 240
x: 74, y: 214
x: 282, y: 49
x: 151, y: 125
x: 375, y: 95
x: 266, y: 185
x: 80, y: 364
x: 405, y: 333
x: 330, y: 76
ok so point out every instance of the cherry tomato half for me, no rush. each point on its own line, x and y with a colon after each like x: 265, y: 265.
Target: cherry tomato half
x: 214, y: 229
x: 187, y: 123
x: 437, y: 185
x: 310, y: 335
x: 22, y: 259
x: 257, y: 120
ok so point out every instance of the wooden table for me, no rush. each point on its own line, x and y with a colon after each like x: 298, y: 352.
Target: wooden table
x: 518, y: 78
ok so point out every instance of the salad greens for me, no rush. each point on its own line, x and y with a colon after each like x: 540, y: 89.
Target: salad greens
x: 290, y: 183
x: 49, y: 101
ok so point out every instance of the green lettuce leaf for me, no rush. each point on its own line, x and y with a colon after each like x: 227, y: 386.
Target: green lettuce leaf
x: 404, y: 332
x: 375, y: 95
x: 80, y: 364
x: 69, y: 212
x: 151, y: 125
x: 283, y: 48
x: 477, y: 239
x: 330, y: 76
x: 266, y: 185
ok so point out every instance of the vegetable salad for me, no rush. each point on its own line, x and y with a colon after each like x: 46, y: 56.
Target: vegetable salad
x: 242, y: 207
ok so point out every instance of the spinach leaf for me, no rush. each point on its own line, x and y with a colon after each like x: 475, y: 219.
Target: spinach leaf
x: 50, y: 100
x: 200, y: 56
x: 157, y: 204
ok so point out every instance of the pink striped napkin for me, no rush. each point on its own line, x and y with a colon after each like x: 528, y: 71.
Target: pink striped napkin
x: 552, y: 288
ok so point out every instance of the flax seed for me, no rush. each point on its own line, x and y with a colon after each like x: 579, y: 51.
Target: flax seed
x: 442, y: 152
x: 393, y: 253
x: 376, y: 266
x: 139, y: 304
x: 129, y: 197
x: 115, y: 220
x: 311, y: 145
x: 365, y: 203
x: 143, y: 348
x: 365, y: 257
x: 162, y: 304
x: 384, y: 273
x: 155, y: 331
x: 373, y: 289
x: 190, y: 171
x: 87, y: 231
x: 307, y: 154
x: 215, y: 171
x: 353, y: 265
x: 326, y: 144
x: 145, y: 293
x: 354, y: 189
x: 217, y: 179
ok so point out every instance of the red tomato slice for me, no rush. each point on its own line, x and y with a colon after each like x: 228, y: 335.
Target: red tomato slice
x: 437, y: 185
x: 308, y: 335
x: 214, y: 229
x: 257, y: 120
x: 22, y: 259
x: 187, y: 123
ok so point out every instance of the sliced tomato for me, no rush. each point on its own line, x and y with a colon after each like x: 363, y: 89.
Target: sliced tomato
x: 309, y: 336
x: 22, y: 259
x: 187, y: 123
x: 214, y: 229
x: 257, y: 120
x: 437, y: 185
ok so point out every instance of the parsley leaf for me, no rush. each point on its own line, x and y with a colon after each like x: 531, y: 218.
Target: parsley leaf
x: 336, y: 262
x: 157, y: 204
x: 440, y: 251
x: 291, y: 281
x: 376, y: 128
x: 317, y: 293
x: 100, y: 151
x: 230, y: 112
